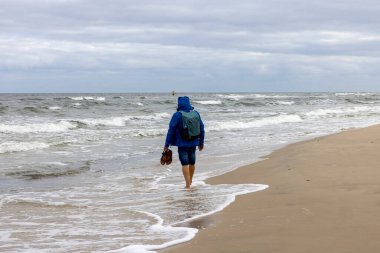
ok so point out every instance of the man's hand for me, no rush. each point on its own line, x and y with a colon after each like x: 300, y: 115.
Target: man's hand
x: 166, y: 148
x: 200, y: 147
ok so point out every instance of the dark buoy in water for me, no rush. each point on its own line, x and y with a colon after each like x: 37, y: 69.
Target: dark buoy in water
x: 173, y: 93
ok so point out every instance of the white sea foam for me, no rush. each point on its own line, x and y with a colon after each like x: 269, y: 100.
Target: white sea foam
x: 149, y: 132
x: 121, y: 121
x: 5, y: 235
x: 55, y: 163
x: 12, y: 146
x: 190, y: 232
x: 55, y: 108
x: 155, y: 116
x: 77, y: 98
x: 273, y: 96
x: 80, y: 98
x: 344, y: 94
x: 231, y: 96
x: 342, y: 111
x: 353, y: 94
x: 285, y: 102
x: 159, y: 227
x: 24, y: 223
x: 140, y: 104
x: 236, y: 125
x: 60, y: 126
x: 115, y: 121
x: 208, y: 102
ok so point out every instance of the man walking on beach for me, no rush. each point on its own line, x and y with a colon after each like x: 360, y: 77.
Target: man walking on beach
x: 186, y: 130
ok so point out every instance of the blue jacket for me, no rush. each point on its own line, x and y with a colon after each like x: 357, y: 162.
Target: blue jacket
x: 173, y: 136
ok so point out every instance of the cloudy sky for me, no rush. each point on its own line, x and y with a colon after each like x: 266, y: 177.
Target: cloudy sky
x: 197, y: 45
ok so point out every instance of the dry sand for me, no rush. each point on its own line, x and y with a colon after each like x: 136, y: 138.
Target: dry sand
x: 324, y: 196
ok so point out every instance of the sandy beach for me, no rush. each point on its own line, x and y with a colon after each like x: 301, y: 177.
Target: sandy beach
x: 324, y: 196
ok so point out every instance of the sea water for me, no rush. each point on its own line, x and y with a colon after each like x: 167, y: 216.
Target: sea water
x: 81, y: 172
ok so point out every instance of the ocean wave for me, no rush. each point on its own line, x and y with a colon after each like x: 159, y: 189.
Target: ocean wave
x: 55, y: 163
x: 155, y: 116
x: 234, y: 97
x: 120, y: 121
x: 32, y: 99
x: 274, y: 96
x: 363, y: 100
x: 320, y: 102
x: 354, y: 94
x: 356, y: 101
x: 116, y: 121
x: 208, y: 102
x: 341, y: 111
x: 81, y: 98
x: 250, y: 103
x: 33, y: 109
x: 165, y: 102
x: 284, y: 102
x: 55, y: 108
x: 12, y: 146
x: 61, y: 126
x: 38, y: 109
x: 149, y: 133
x: 239, y: 125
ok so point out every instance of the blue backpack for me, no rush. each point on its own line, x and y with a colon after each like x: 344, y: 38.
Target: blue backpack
x: 190, y: 125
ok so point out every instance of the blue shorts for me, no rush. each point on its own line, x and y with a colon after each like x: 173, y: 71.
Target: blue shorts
x: 186, y: 155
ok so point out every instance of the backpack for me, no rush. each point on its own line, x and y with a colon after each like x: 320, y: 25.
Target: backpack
x: 190, y: 125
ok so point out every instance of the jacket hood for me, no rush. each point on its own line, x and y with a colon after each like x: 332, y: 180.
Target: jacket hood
x: 184, y: 104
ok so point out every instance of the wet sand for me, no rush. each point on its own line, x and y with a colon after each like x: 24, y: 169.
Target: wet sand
x: 324, y: 196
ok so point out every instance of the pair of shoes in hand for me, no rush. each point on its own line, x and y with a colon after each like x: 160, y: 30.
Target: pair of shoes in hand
x: 166, y: 157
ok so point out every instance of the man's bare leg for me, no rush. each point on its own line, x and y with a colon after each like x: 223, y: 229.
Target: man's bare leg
x: 192, y: 170
x: 186, y: 175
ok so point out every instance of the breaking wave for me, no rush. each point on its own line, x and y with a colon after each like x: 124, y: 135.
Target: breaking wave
x: 284, y: 102
x: 55, y: 108
x: 12, y: 146
x: 149, y: 133
x: 342, y: 111
x: 81, y: 98
x: 121, y: 121
x: 70, y: 124
x: 61, y: 126
x: 238, y: 125
x: 209, y: 102
x: 233, y: 97
x: 353, y: 94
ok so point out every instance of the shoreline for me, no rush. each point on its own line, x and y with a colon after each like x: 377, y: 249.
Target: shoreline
x: 323, y: 196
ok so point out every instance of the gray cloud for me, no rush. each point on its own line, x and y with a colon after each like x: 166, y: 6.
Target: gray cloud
x: 202, y: 45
